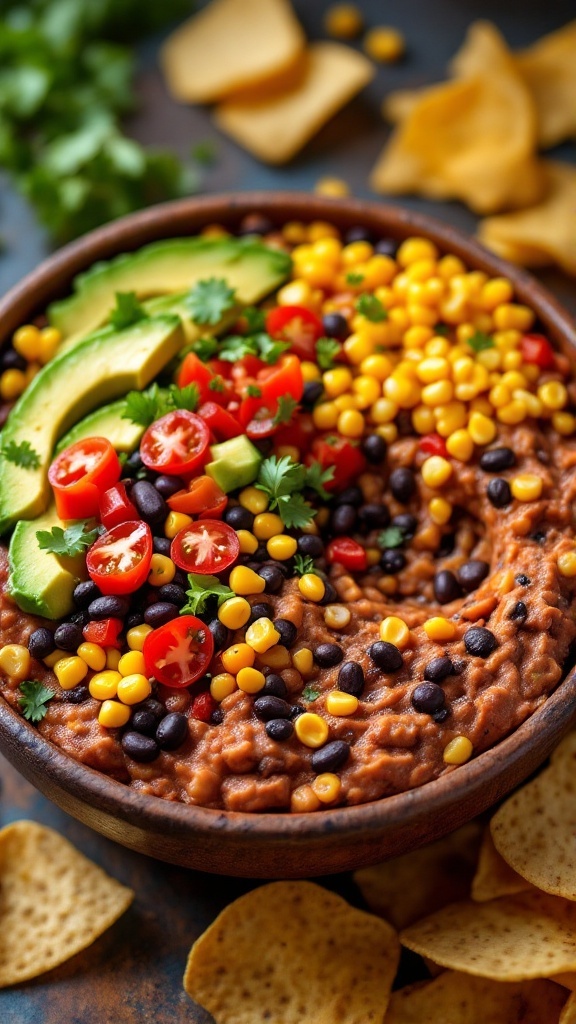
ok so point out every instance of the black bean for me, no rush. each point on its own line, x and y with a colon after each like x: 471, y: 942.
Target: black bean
x: 261, y: 610
x: 499, y: 493
x: 160, y: 612
x: 296, y: 711
x: 402, y: 484
x: 134, y: 463
x: 78, y: 695
x: 175, y: 595
x: 313, y: 391
x: 335, y: 326
x: 407, y: 523
x: 140, y: 748
x: 351, y: 678
x: 172, y: 731
x: 239, y: 518
x: 374, y: 516
x: 386, y: 656
x: 10, y: 359
x: 149, y: 502
x: 80, y: 619
x: 446, y: 545
x: 519, y: 612
x: 309, y: 544
x: 274, y: 686
x: 134, y: 619
x: 68, y: 637
x: 392, y: 561
x: 168, y: 485
x: 330, y: 593
x: 428, y: 697
x: 539, y: 536
x: 441, y: 715
x: 155, y: 707
x: 255, y: 224
x: 279, y: 729
x: 471, y: 574
x: 327, y: 655
x: 220, y: 633
x: 161, y: 546
x: 111, y: 606
x: 84, y: 593
x: 358, y: 233
x: 144, y: 721
x: 268, y: 707
x: 374, y: 448
x: 330, y: 757
x: 288, y: 632
x: 522, y: 580
x: 480, y: 641
x: 497, y: 459
x: 438, y: 669
x: 446, y: 587
x: 217, y: 717
x: 349, y: 496
x: 386, y: 247
x: 41, y: 643
x: 273, y: 578
x: 343, y: 520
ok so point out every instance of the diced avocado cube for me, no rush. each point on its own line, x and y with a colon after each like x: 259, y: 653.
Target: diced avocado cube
x: 235, y: 463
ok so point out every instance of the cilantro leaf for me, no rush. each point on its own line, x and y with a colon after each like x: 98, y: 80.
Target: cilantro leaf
x: 282, y: 480
x: 295, y: 512
x: 316, y: 477
x: 145, y: 407
x: 442, y: 329
x: 269, y: 350
x: 286, y: 409
x: 236, y: 346
x: 253, y: 391
x: 183, y: 398
x: 371, y: 308
x: 69, y: 542
x: 392, y: 537
x: 326, y: 351
x: 255, y: 319
x: 310, y: 693
x: 127, y: 311
x: 353, y: 277
x: 208, y: 300
x: 303, y: 564
x: 35, y: 697
x: 22, y: 454
x: 480, y: 341
x: 216, y: 384
x: 202, y: 590
x: 204, y: 348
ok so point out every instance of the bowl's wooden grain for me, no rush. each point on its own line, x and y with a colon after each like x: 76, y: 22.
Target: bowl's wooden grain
x: 279, y: 845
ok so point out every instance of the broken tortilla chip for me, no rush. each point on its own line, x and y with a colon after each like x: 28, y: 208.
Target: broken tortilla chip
x: 494, y: 877
x: 530, y: 935
x: 53, y: 901
x: 293, y: 951
x: 549, y: 69
x: 276, y: 127
x: 455, y: 998
x: 230, y: 45
x: 407, y: 888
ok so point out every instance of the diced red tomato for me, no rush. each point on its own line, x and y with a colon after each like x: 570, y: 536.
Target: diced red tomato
x: 205, y: 547
x: 203, y: 498
x: 299, y: 433
x: 178, y: 653
x: 257, y: 414
x: 345, y: 457
x: 116, y: 507
x: 221, y: 422
x: 104, y: 632
x: 194, y: 371
x: 80, y: 474
x: 348, y: 553
x: 203, y: 707
x: 298, y: 326
x: 119, y: 561
x: 535, y: 348
x: 433, y: 444
x: 177, y: 443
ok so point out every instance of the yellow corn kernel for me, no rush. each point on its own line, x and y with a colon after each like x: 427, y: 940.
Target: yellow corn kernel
x: 440, y: 510
x: 439, y: 628
x: 508, y: 316
x: 113, y: 658
x: 12, y: 384
x: 416, y: 248
x: 482, y: 405
x: 383, y: 411
x: 31, y: 371
x: 567, y: 563
x: 481, y: 429
x: 295, y: 232
x: 458, y: 750
x: 329, y: 249
x: 490, y: 359
x: 514, y: 379
x: 234, y: 613
x: 222, y: 685
x: 282, y: 547
x: 421, y: 270
x: 420, y: 315
x: 132, y: 663
x: 337, y: 616
x: 303, y: 661
x: 215, y: 231
x: 384, y: 44
x: 351, y: 423
x: 450, y: 417
x: 28, y: 342
x: 245, y: 581
x: 295, y: 293
x: 341, y: 704
x: 394, y: 630
x: 423, y: 419
x: 436, y: 470
x: 532, y: 402
x: 327, y: 787
x: 358, y: 347
x: 174, y: 522
x: 311, y: 730
x: 527, y: 487
x: 373, y: 556
x: 266, y: 525
x: 253, y: 499
x: 303, y: 800
x: 134, y: 688
x: 417, y: 336
x: 311, y: 587
x: 449, y: 266
x: 93, y: 655
x: 237, y: 657
x: 318, y: 273
x: 277, y: 658
x: 463, y: 369
x: 290, y: 450
x: 355, y: 253
x: 310, y: 371
x: 113, y: 715
x: 136, y: 636
x: 513, y: 361
x: 496, y: 292
x: 50, y: 338
x: 439, y: 393
x: 347, y: 401
x: 377, y: 367
x: 70, y: 671
x: 402, y: 390
x: 262, y: 635
x: 366, y: 388
x: 454, y: 309
x: 564, y: 423
x: 514, y: 412
x: 433, y: 369
x: 337, y: 381
x: 389, y: 431
x: 500, y: 395
x: 162, y: 570
x: 250, y: 680
x: 460, y: 445
x: 378, y: 271
x: 553, y: 395
x: 321, y: 229
x: 15, y: 661
x: 248, y: 542
x: 325, y: 416
x: 104, y: 685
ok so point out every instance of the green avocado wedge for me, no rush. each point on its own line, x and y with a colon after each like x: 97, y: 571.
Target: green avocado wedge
x: 106, y: 422
x: 98, y: 369
x: 170, y: 266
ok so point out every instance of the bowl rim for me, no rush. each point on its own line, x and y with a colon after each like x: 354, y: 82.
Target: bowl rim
x: 169, y: 220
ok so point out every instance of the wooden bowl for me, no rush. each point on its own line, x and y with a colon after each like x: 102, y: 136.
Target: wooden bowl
x: 280, y: 845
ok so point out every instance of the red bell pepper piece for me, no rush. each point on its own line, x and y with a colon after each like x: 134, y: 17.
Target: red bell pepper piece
x: 535, y: 348
x: 116, y: 507
x: 348, y: 553
x: 298, y: 326
x: 433, y: 444
x: 221, y: 422
x: 344, y: 456
x: 104, y: 632
x: 203, y: 706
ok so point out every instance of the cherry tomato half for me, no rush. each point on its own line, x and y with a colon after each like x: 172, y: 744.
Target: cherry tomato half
x: 119, y: 561
x: 348, y: 553
x: 179, y: 652
x: 80, y: 474
x: 176, y: 443
x: 536, y: 348
x: 222, y: 423
x: 206, y: 547
x: 297, y: 325
x: 203, y: 498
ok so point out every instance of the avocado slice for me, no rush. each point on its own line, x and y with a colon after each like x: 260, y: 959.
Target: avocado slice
x: 40, y: 582
x: 106, y: 422
x: 170, y: 266
x: 235, y: 463
x: 101, y: 367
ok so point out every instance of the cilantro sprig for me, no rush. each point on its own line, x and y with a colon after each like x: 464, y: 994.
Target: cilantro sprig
x: 316, y: 477
x: 22, y: 454
x: 286, y: 408
x: 480, y: 341
x: 34, y: 699
x: 310, y: 693
x: 237, y: 346
x: 208, y: 300
x: 127, y: 311
x: 283, y: 480
x: 201, y: 591
x: 391, y: 537
x: 145, y: 407
x: 304, y: 564
x: 326, y: 351
x: 69, y: 542
x: 370, y: 307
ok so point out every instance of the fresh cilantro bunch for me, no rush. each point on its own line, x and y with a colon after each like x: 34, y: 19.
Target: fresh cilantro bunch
x: 284, y: 480
x: 237, y: 346
x: 208, y: 300
x: 22, y: 454
x: 145, y: 407
x: 69, y: 542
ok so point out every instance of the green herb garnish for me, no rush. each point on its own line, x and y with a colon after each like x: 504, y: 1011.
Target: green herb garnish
x: 208, y: 300
x: 253, y: 391
x: 216, y: 384
x: 202, y: 589
x: 22, y: 454
x: 35, y: 697
x: 391, y: 537
x: 127, y: 311
x: 353, y: 277
x: 71, y: 541
x: 255, y: 319
x: 304, y: 564
x: 371, y: 308
x: 282, y: 480
x: 310, y: 694
x: 316, y: 477
x: 204, y: 348
x: 145, y: 407
x: 480, y: 341
x: 326, y: 351
x: 286, y: 408
x: 237, y: 346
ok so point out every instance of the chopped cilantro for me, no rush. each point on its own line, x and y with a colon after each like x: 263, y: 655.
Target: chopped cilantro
x: 303, y: 564
x: 392, y: 537
x: 269, y: 350
x: 353, y: 277
x: 286, y: 409
x: 205, y: 153
x: 255, y: 319
x: 202, y: 589
x: 22, y: 454
x: 371, y: 308
x: 183, y: 398
x: 204, y: 348
x: 35, y: 697
x: 127, y: 311
x: 145, y: 407
x: 326, y: 351
x: 253, y: 391
x: 316, y: 477
x: 69, y: 542
x: 282, y: 480
x: 310, y: 694
x: 236, y: 346
x: 216, y: 384
x: 480, y: 341
x: 208, y: 300
x: 442, y: 329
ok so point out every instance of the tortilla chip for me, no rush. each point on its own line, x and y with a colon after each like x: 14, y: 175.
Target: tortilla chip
x: 229, y: 45
x: 409, y: 887
x: 276, y: 127
x: 531, y: 935
x: 534, y: 830
x: 456, y: 998
x: 494, y: 877
x: 481, y: 51
x: 53, y: 901
x: 397, y: 105
x: 290, y: 952
x: 549, y: 69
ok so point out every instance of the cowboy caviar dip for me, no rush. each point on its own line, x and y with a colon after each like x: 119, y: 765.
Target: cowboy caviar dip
x: 337, y: 557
